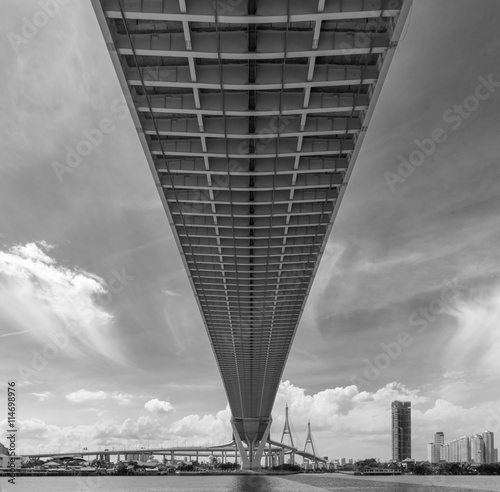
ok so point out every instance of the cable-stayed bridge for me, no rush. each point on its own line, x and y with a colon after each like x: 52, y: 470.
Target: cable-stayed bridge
x: 251, y: 114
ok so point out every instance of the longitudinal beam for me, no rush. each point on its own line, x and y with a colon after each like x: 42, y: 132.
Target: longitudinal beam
x: 251, y: 115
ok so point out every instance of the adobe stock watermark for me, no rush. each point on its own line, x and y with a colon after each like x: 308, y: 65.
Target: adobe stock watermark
x: 117, y: 283
x: 446, y: 302
x: 454, y: 118
x: 92, y: 139
x: 220, y: 182
x: 31, y: 27
x: 492, y: 422
x: 224, y: 6
x: 60, y: 340
x: 89, y: 483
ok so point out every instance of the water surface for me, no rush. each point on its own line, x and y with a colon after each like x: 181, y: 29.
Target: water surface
x: 292, y: 483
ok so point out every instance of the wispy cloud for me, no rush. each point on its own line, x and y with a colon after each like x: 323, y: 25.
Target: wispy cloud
x: 37, y: 292
x: 84, y: 396
x: 43, y: 396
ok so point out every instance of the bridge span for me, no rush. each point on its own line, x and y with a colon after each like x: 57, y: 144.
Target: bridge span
x: 251, y: 114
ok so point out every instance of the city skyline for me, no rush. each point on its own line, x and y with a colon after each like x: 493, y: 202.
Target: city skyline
x: 476, y: 448
x: 404, y: 305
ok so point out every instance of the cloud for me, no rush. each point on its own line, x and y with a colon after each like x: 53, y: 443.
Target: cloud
x: 344, y: 422
x: 82, y: 396
x: 475, y: 343
x: 158, y: 406
x: 342, y: 409
x: 348, y: 422
x: 170, y: 293
x: 43, y: 396
x: 47, y: 299
x: 216, y: 426
x: 122, y: 398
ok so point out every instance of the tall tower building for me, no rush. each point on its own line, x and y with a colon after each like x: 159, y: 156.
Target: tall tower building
x: 401, y: 430
x: 477, y: 449
x: 489, y: 447
x: 430, y: 452
x: 439, y: 438
x: 464, y: 450
x: 438, y: 447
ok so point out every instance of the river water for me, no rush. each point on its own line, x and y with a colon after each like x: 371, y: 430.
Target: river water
x: 292, y: 483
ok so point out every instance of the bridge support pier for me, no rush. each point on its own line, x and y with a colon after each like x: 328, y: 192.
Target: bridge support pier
x: 251, y: 455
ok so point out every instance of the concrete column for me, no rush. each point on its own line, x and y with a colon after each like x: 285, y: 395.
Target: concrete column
x: 251, y: 457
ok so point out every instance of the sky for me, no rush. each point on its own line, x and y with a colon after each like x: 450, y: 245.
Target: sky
x: 98, y: 324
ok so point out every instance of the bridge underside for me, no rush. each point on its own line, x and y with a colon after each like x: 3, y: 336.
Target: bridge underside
x: 251, y: 114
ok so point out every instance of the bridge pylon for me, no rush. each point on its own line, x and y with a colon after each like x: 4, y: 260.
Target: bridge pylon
x: 246, y: 431
x: 309, y: 440
x: 287, y: 432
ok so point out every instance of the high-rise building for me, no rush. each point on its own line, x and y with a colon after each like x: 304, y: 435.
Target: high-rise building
x: 445, y: 453
x: 435, y: 449
x: 489, y: 447
x: 430, y: 452
x: 439, y: 438
x: 464, y: 450
x: 453, y: 456
x: 477, y: 449
x: 401, y: 430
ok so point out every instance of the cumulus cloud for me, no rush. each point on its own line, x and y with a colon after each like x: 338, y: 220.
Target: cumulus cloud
x: 214, y: 426
x: 345, y: 422
x: 39, y: 296
x: 105, y: 432
x: 159, y: 406
x: 348, y: 422
x: 343, y: 409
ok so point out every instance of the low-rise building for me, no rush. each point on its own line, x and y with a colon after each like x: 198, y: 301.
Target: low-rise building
x: 6, y: 461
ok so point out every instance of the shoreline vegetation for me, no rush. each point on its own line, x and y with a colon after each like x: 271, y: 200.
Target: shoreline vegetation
x: 134, y: 468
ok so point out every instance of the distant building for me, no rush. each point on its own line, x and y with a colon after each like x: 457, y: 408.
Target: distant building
x: 489, y: 447
x: 477, y: 449
x: 6, y: 461
x: 342, y: 461
x: 430, y: 452
x: 439, y: 438
x: 435, y: 449
x: 3, y: 449
x: 132, y: 457
x: 401, y: 430
x: 445, y: 452
x: 433, y: 452
x: 464, y: 450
